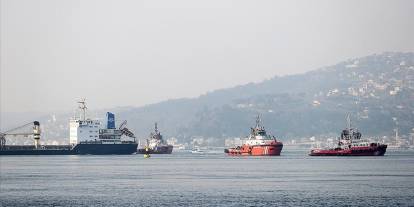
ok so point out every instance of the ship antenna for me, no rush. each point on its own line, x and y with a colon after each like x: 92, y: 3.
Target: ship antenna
x: 350, y: 131
x: 83, y: 107
x: 258, y: 120
x: 156, y: 128
x: 348, y: 120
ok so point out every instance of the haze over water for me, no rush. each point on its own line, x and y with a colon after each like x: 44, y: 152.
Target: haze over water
x: 185, y: 179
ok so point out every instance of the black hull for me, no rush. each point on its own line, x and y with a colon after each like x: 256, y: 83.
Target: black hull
x: 105, y: 149
x: 31, y: 150
x: 159, y: 150
x: 80, y: 149
x: 36, y: 152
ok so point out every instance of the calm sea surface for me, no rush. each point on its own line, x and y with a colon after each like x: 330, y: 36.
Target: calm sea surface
x: 214, y: 179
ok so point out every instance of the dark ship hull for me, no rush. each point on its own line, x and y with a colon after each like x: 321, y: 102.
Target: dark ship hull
x: 105, y: 149
x: 80, y: 149
x: 354, y: 151
x: 31, y: 150
x: 158, y: 150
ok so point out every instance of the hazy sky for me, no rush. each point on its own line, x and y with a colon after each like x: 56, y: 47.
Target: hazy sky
x: 131, y: 53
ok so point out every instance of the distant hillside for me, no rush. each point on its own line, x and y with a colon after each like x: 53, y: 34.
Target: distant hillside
x: 377, y: 90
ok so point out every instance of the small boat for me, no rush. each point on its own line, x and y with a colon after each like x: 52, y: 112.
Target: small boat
x: 197, y: 150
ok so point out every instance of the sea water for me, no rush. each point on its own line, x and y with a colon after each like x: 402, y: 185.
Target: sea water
x: 210, y: 179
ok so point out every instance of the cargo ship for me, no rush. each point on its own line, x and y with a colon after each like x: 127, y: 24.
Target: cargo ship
x: 156, y: 144
x: 351, y: 144
x: 86, y: 137
x: 258, y: 143
x: 35, y: 149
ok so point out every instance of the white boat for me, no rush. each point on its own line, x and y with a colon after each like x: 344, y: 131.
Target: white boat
x: 197, y: 150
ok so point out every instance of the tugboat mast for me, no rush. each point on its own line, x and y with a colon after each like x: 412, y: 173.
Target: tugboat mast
x: 156, y: 128
x: 258, y: 120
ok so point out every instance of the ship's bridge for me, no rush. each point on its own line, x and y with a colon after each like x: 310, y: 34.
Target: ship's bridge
x: 83, y: 130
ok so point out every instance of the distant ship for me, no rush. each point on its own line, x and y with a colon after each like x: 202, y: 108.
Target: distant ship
x: 86, y: 137
x: 259, y: 143
x: 156, y: 144
x: 351, y: 144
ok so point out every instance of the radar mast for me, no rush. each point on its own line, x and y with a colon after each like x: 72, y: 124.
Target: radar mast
x: 83, y: 107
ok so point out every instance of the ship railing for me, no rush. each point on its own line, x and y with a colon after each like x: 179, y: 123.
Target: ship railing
x: 91, y: 142
x: 128, y: 142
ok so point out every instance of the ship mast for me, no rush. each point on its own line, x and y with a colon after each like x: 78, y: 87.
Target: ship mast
x: 156, y: 128
x: 397, y: 138
x: 348, y: 121
x: 82, y: 106
x: 258, y: 120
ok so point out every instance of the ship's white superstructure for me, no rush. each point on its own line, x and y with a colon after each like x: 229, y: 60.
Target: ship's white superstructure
x: 258, y: 135
x: 110, y: 136
x: 85, y: 130
x: 156, y: 139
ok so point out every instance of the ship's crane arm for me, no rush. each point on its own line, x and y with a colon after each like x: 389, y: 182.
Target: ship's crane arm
x: 14, y: 132
x: 123, y: 125
x: 17, y: 128
x: 125, y: 131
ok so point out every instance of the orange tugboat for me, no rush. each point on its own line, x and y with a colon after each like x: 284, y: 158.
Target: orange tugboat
x: 259, y: 143
x: 351, y: 144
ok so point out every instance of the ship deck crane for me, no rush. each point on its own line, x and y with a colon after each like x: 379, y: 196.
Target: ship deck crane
x: 35, y: 133
x: 125, y: 131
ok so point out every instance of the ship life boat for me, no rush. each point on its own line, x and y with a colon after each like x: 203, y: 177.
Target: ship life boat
x: 351, y: 144
x: 259, y: 143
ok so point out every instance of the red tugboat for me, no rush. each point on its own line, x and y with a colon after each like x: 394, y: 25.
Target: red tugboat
x: 258, y: 144
x: 351, y: 144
